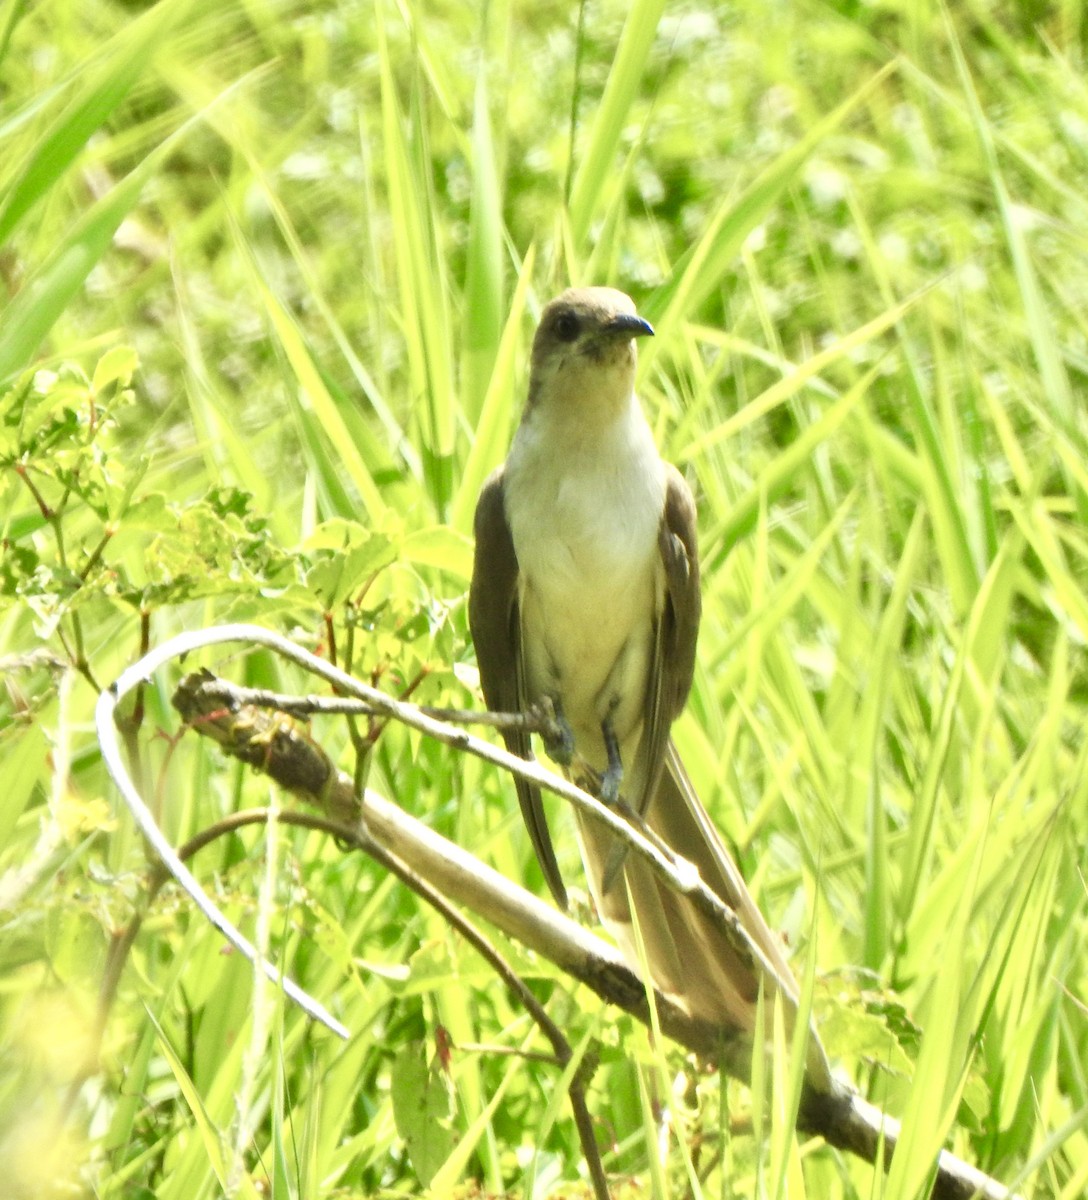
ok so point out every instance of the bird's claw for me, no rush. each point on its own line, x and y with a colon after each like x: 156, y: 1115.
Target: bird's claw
x: 556, y: 733
x: 608, y: 790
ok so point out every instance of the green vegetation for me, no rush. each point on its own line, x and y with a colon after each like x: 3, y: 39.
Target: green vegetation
x: 267, y: 275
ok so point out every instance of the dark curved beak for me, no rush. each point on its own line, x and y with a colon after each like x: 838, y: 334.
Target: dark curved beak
x: 628, y: 325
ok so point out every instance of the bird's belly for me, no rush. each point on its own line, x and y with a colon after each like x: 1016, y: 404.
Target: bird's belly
x: 588, y: 621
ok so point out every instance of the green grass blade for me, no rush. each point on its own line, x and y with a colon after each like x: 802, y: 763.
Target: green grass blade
x: 699, y: 271
x: 130, y: 54
x: 1048, y: 356
x: 872, y: 717
x: 598, y: 163
x: 330, y: 433
x: 423, y: 290
x: 491, y: 435
x: 484, y: 302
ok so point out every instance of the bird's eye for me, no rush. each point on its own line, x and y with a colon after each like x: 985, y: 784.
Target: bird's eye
x: 566, y: 326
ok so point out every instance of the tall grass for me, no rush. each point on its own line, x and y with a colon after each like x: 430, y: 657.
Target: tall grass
x: 269, y: 275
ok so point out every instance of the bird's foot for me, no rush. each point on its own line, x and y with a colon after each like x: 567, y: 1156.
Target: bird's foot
x: 555, y: 732
x: 608, y: 786
x: 609, y: 789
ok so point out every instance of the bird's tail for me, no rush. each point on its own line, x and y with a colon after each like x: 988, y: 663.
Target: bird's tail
x: 714, y: 971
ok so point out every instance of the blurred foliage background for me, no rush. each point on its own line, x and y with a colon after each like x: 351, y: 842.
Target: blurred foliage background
x: 268, y: 272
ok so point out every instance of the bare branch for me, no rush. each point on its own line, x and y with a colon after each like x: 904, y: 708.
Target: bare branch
x: 678, y: 874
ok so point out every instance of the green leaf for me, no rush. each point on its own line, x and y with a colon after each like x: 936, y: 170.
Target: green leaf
x: 347, y: 557
x: 115, y: 366
x: 423, y: 1110
x: 441, y: 547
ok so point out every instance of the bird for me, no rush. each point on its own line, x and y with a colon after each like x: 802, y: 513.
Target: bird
x: 585, y: 595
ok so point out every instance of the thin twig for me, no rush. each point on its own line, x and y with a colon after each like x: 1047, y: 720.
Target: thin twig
x: 539, y: 720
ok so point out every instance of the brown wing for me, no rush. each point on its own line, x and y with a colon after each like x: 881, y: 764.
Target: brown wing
x: 673, y: 665
x: 683, y: 607
x: 494, y: 622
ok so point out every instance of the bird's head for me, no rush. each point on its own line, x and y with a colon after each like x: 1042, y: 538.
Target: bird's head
x: 584, y: 349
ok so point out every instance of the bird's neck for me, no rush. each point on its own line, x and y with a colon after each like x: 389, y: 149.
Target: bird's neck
x: 590, y: 390
x: 586, y: 465
x: 604, y: 421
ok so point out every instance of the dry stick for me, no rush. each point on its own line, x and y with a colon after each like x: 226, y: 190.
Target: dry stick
x: 836, y: 1112
x: 677, y: 874
x: 255, y: 742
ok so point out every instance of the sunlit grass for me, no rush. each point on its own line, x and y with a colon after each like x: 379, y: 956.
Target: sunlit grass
x: 327, y: 233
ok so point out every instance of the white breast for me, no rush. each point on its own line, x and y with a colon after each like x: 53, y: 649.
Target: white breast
x: 584, y: 504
